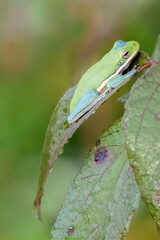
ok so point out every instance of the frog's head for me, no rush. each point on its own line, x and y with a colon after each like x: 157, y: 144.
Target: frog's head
x: 125, y: 53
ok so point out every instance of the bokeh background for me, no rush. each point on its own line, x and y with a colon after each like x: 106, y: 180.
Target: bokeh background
x: 45, y: 46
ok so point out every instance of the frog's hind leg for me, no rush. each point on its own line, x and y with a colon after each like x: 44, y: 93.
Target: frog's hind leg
x: 83, y: 105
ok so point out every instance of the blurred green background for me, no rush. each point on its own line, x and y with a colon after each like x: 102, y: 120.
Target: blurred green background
x: 45, y: 46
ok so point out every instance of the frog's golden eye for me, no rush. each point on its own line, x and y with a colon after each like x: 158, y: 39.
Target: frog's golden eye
x: 125, y: 54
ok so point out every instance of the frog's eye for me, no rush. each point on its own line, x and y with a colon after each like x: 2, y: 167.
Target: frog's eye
x: 125, y: 54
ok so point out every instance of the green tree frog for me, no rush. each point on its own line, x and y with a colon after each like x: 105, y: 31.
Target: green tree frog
x: 102, y: 77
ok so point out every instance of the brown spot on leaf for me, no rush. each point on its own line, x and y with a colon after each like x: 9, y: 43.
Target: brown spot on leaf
x: 101, y: 155
x: 70, y: 230
x: 113, y: 132
x: 98, y: 142
x: 158, y: 116
x: 109, y: 134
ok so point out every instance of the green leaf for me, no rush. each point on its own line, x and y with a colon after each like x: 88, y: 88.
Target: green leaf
x: 56, y: 136
x: 59, y: 131
x: 156, y: 54
x: 103, y: 196
x: 141, y: 123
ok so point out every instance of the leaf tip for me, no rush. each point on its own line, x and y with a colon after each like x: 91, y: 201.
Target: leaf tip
x: 37, y: 208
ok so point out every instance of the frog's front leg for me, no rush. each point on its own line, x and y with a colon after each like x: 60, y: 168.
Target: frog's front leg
x: 115, y: 81
x: 84, y: 104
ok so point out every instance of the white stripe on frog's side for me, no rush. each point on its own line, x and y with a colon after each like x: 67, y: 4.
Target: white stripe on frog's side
x: 119, y: 70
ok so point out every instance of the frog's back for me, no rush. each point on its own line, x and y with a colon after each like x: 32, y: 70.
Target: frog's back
x: 93, y: 78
